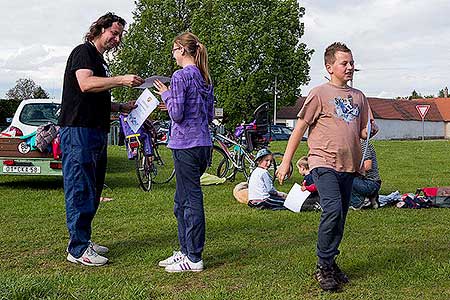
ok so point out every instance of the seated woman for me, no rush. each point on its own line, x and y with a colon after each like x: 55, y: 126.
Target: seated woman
x: 365, y: 188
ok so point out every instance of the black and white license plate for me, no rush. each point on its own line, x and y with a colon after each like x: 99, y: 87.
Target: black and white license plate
x: 22, y: 169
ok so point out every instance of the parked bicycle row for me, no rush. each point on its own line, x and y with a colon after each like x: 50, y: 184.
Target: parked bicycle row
x: 231, y: 152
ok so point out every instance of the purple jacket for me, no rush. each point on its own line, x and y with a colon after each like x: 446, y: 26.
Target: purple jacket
x: 190, y: 103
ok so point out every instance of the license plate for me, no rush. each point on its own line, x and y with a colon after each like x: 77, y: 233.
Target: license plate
x: 22, y: 169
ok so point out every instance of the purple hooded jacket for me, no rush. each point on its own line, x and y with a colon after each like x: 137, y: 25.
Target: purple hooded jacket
x: 190, y: 102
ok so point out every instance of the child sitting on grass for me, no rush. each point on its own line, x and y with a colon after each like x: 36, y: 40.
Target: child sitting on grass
x: 303, y: 169
x: 312, y: 202
x: 261, y: 192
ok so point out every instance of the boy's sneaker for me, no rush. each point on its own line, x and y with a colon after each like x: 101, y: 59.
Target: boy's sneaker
x: 185, y: 265
x: 177, y: 256
x: 326, y: 278
x: 339, y: 275
x: 374, y: 201
x: 89, y: 258
x: 99, y: 248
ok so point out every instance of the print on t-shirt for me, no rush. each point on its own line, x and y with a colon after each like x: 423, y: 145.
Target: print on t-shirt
x: 108, y: 73
x: 346, y: 109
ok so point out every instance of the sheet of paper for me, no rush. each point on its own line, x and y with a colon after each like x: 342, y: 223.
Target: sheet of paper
x: 146, y: 103
x: 296, y: 198
x: 148, y: 83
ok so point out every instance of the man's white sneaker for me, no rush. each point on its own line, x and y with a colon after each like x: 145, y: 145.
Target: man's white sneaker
x: 89, y: 258
x: 99, y: 248
x: 185, y: 265
x: 177, y: 256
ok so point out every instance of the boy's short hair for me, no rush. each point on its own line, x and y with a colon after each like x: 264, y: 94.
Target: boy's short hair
x: 329, y: 56
x: 303, y: 162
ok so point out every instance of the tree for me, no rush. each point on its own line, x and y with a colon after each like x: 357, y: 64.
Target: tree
x: 249, y: 42
x: 415, y: 95
x: 40, y: 93
x: 443, y: 93
x: 26, y: 88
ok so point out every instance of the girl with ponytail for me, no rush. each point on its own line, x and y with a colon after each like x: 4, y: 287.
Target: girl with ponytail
x: 190, y: 104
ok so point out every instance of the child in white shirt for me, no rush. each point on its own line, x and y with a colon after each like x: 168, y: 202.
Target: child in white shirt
x: 261, y: 192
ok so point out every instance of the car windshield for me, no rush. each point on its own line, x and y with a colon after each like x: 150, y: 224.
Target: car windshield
x: 36, y: 114
x: 286, y: 130
x: 276, y: 130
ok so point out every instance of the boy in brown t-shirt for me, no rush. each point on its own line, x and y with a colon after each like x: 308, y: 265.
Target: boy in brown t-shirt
x: 337, y: 116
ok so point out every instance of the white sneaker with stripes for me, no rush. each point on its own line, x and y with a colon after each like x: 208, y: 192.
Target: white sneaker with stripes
x: 177, y: 256
x: 185, y: 265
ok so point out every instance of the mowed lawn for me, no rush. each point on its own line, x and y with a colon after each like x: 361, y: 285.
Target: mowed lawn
x: 388, y: 253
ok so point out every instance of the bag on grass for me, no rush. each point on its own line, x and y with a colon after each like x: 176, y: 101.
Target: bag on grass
x: 439, y: 196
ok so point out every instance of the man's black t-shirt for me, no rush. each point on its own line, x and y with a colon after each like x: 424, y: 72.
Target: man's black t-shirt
x: 87, y: 109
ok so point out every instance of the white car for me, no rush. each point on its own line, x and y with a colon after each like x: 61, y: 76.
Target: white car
x: 30, y: 114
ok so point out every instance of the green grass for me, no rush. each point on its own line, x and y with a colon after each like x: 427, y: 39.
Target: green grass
x: 388, y: 253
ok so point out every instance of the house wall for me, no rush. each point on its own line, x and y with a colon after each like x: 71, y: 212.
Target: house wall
x: 397, y: 129
x: 447, y: 130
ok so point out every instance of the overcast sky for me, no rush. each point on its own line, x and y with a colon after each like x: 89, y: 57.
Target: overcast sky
x: 399, y: 45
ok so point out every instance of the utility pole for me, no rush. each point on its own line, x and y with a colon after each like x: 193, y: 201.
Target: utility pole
x: 275, y: 103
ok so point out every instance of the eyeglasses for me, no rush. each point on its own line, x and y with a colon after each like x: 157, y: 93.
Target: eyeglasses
x: 175, y: 49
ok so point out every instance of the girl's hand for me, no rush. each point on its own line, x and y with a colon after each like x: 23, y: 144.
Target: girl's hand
x: 160, y: 87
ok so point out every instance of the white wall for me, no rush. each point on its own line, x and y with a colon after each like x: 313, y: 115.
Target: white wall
x: 396, y: 129
x: 447, y: 130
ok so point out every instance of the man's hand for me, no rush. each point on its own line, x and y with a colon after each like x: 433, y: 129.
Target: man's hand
x: 131, y: 80
x: 162, y: 106
x: 127, y: 107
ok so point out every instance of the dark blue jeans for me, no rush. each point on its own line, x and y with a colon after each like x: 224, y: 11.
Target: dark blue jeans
x: 363, y: 188
x: 84, y: 169
x: 334, y: 191
x: 190, y: 164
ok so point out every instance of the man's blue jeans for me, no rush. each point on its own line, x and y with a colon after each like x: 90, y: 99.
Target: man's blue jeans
x: 363, y: 188
x: 190, y: 164
x: 84, y: 168
x: 334, y: 191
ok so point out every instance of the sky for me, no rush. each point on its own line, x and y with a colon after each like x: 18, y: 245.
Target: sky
x: 398, y: 45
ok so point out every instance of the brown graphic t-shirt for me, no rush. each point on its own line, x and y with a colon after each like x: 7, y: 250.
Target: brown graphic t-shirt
x: 335, y: 116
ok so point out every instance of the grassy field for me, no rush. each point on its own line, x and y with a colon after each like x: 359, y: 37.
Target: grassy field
x: 388, y: 253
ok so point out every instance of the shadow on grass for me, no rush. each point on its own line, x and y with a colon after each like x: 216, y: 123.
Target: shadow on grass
x: 31, y: 182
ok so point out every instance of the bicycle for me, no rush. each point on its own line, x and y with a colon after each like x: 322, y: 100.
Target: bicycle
x: 231, y: 154
x: 148, y: 147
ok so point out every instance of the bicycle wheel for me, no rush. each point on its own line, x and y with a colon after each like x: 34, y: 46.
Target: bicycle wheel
x: 219, y: 163
x: 247, y: 165
x: 143, y: 166
x: 277, y: 158
x: 163, y: 168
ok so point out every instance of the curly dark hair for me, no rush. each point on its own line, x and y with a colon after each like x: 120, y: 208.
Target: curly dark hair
x: 103, y: 22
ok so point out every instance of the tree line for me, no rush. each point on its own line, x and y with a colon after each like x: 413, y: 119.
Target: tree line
x: 250, y: 43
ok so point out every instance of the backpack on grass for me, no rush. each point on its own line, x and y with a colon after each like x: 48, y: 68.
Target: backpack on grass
x: 439, y: 196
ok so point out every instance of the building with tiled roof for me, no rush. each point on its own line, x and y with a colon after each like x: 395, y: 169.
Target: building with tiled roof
x: 397, y: 119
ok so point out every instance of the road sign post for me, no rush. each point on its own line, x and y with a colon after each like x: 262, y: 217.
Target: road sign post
x: 422, y: 109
